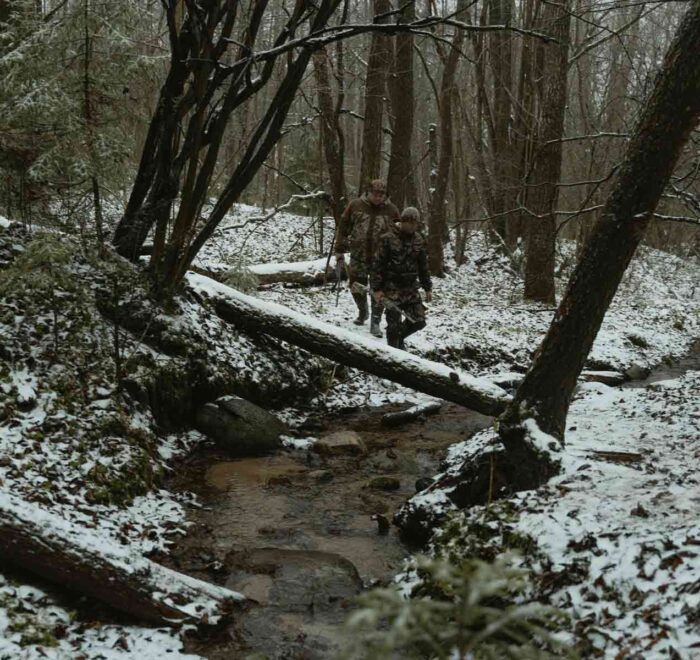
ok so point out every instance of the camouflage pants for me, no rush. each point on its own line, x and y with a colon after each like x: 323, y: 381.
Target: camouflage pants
x: 409, y: 302
x: 358, y: 271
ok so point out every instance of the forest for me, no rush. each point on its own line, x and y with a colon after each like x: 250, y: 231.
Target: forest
x: 349, y: 329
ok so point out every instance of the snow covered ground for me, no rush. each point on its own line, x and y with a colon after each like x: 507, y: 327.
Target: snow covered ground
x: 630, y: 524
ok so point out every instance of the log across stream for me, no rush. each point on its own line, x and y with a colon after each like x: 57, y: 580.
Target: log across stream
x: 295, y: 531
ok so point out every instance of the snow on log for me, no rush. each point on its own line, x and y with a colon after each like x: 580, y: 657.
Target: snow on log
x: 84, y: 561
x: 411, y: 414
x: 254, y: 315
x: 298, y: 273
x: 302, y: 273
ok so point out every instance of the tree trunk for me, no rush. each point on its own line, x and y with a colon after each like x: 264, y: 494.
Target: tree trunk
x: 330, y: 132
x: 542, y: 191
x: 82, y: 560
x: 501, y: 55
x: 375, y: 87
x: 667, y: 119
x: 438, y: 233
x: 401, y: 184
x: 351, y: 349
x: 531, y: 429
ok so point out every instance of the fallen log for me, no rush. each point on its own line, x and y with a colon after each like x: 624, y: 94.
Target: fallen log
x: 84, y: 561
x: 300, y: 273
x: 410, y: 414
x: 296, y: 273
x: 351, y: 349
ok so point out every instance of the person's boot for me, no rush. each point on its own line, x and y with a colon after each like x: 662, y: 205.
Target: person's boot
x: 375, y: 319
x: 361, y: 302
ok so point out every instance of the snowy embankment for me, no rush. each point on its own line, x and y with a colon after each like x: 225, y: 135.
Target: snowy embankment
x: 614, y: 540
x: 70, y: 445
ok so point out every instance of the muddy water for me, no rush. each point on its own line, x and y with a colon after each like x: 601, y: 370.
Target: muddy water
x: 299, y: 533
x: 691, y: 362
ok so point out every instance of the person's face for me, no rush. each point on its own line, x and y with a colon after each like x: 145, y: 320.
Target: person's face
x: 408, y: 226
x: 377, y: 196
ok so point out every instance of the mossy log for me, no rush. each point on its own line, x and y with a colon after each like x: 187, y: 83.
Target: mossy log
x: 351, y: 349
x: 82, y: 560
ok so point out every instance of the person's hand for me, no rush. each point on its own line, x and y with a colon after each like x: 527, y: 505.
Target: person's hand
x: 428, y: 296
x: 378, y: 295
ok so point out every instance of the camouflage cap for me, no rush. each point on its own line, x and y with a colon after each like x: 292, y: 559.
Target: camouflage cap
x: 377, y: 185
x: 410, y: 213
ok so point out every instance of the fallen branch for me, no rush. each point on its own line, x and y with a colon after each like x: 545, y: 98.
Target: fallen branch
x: 411, y: 414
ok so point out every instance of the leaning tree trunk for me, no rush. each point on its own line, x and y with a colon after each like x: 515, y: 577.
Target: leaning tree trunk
x: 83, y: 561
x: 666, y: 121
x: 351, y: 349
x: 542, y: 191
x: 375, y: 86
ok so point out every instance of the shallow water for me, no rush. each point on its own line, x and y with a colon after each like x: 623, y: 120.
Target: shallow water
x: 295, y: 531
x: 318, y: 508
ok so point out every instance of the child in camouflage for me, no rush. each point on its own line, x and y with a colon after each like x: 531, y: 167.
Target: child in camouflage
x: 400, y: 265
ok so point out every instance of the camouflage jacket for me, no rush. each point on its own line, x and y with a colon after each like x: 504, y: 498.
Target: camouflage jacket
x: 401, y: 263
x: 362, y: 224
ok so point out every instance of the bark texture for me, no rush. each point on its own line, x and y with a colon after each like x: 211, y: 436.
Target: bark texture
x: 332, y: 134
x: 401, y: 184
x: 345, y: 347
x: 666, y: 121
x: 375, y: 87
x: 542, y: 191
x: 78, y: 559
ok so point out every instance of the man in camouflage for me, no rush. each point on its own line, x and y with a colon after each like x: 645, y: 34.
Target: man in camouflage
x: 400, y: 265
x: 361, y: 225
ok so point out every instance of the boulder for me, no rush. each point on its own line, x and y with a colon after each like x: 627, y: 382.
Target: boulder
x: 342, y: 442
x: 637, y: 372
x: 239, y: 427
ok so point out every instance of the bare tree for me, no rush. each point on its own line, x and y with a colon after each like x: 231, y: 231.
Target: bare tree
x: 375, y: 87
x: 400, y: 181
x: 437, y: 212
x: 331, y: 133
x: 541, y: 192
x: 666, y: 121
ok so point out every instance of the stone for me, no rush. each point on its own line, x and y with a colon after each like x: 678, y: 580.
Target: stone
x: 239, y: 427
x: 637, y: 372
x: 423, y: 483
x: 384, y: 483
x: 321, y: 476
x: 340, y: 443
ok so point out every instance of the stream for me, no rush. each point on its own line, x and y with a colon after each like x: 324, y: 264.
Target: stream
x: 302, y: 533
x: 295, y: 531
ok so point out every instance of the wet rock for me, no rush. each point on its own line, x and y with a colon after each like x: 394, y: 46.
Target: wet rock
x: 239, y: 427
x: 383, y: 523
x: 373, y: 504
x: 637, y: 372
x: 384, y: 483
x: 321, y: 476
x: 423, y: 483
x: 342, y: 442
x: 295, y: 580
